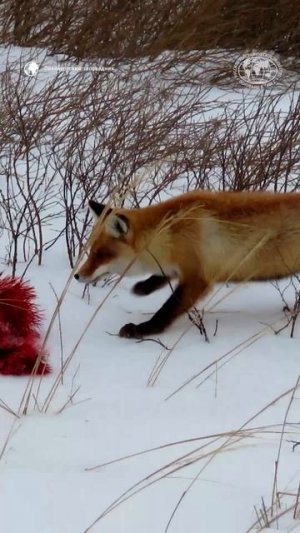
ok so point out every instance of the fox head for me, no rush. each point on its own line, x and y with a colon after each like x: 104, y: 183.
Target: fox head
x: 111, y: 245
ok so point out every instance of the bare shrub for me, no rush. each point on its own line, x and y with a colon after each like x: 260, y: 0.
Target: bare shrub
x: 26, y: 192
x: 85, y: 135
x: 291, y: 312
x: 128, y: 134
x: 135, y: 28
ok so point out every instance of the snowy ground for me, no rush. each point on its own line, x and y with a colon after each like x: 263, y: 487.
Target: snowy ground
x: 45, y: 484
x: 223, y: 429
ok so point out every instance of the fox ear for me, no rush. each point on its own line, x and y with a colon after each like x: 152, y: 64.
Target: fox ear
x: 117, y: 225
x: 97, y: 209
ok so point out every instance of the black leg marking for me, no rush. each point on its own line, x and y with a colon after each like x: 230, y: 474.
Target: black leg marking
x: 184, y: 296
x: 142, y: 288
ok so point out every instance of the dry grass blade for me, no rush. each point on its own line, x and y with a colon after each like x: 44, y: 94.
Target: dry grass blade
x: 259, y: 526
x: 12, y: 430
x: 274, y: 491
x: 233, y: 354
x: 258, y: 517
x: 270, y: 429
x: 5, y: 407
x: 186, y: 491
x: 297, y: 502
x: 150, y: 480
x: 248, y: 341
x: 188, y: 460
x: 25, y: 400
x: 262, y: 241
x: 163, y: 358
x: 54, y: 388
x: 69, y: 401
x: 265, y: 514
x: 60, y: 337
x: 239, y: 348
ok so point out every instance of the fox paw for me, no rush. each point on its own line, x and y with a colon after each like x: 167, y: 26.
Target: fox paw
x: 130, y: 331
x: 141, y: 289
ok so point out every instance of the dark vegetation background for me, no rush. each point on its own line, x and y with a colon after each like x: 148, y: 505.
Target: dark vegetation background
x: 136, y: 28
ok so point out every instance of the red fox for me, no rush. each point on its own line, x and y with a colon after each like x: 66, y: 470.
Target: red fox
x: 200, y: 238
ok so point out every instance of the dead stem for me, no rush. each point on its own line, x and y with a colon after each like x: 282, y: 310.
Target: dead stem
x: 187, y: 458
x: 275, y: 482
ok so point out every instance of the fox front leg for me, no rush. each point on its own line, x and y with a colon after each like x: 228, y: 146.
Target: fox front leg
x: 184, y: 297
x: 155, y: 282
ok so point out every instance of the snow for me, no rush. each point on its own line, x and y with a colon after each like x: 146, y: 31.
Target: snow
x: 47, y: 476
x: 115, y: 413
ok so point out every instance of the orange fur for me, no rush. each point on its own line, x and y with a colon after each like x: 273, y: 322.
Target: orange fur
x: 201, y: 238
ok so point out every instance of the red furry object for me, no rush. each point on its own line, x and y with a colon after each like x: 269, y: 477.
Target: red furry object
x: 20, y: 342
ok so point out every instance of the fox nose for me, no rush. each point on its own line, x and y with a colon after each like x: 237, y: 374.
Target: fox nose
x: 76, y: 276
